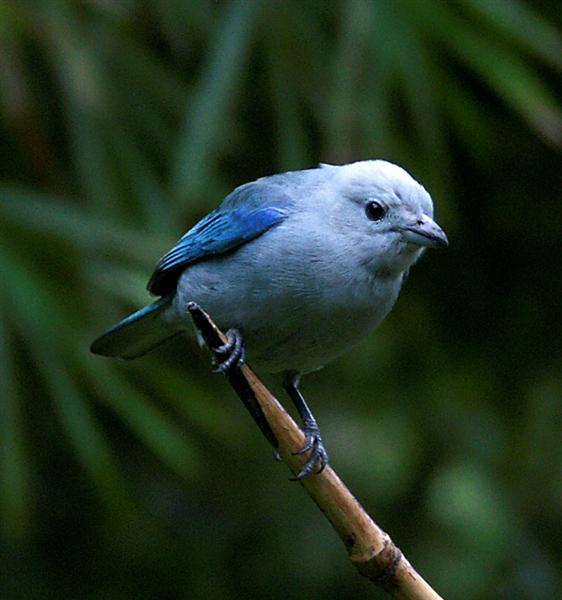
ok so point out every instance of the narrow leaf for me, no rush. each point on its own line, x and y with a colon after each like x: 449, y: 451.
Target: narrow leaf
x: 205, y: 116
x: 14, y: 462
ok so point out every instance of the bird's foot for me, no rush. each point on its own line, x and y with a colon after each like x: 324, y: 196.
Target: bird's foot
x: 231, y: 354
x: 313, y: 442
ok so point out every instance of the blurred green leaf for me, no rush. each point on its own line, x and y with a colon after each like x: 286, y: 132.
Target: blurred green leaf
x: 465, y: 500
x: 205, y: 115
x: 14, y: 472
x: 81, y: 427
x: 504, y: 71
x: 84, y: 229
x: 152, y: 427
x: 524, y: 25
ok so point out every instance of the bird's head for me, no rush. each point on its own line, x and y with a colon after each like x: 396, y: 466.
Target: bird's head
x: 387, y: 214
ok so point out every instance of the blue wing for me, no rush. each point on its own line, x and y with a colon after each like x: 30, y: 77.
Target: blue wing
x: 246, y: 213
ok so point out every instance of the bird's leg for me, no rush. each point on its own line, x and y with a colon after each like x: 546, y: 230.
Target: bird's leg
x: 313, y: 440
x: 232, y: 351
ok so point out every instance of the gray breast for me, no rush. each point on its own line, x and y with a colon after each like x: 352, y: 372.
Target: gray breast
x: 296, y: 311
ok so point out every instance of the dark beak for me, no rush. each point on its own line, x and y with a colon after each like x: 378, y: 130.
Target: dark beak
x: 425, y: 232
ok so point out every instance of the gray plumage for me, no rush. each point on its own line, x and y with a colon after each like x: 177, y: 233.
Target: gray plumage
x: 297, y: 262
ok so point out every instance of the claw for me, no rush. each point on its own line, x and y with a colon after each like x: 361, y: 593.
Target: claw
x: 313, y: 442
x: 234, y: 349
x: 309, y: 442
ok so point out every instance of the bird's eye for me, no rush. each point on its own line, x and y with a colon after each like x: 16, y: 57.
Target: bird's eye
x: 375, y: 211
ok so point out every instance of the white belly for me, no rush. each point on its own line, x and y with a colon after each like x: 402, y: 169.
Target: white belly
x: 289, y: 323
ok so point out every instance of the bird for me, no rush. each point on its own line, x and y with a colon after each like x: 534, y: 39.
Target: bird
x: 296, y: 267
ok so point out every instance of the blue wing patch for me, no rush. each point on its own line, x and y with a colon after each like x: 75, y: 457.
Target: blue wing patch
x: 246, y: 213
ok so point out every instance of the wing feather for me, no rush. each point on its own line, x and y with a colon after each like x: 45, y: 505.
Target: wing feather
x: 246, y: 213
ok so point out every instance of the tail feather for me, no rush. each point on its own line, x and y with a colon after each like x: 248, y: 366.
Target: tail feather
x: 138, y: 333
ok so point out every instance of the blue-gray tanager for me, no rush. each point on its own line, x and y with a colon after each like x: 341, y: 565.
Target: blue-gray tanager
x: 296, y: 267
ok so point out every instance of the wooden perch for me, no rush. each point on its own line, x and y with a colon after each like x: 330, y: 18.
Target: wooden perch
x: 369, y: 548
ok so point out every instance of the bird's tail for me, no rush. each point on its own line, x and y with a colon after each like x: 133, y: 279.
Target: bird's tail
x: 138, y: 333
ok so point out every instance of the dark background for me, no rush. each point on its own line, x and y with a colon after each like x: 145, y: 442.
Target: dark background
x: 124, y: 122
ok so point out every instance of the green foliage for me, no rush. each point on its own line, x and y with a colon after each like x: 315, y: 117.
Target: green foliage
x: 124, y: 122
